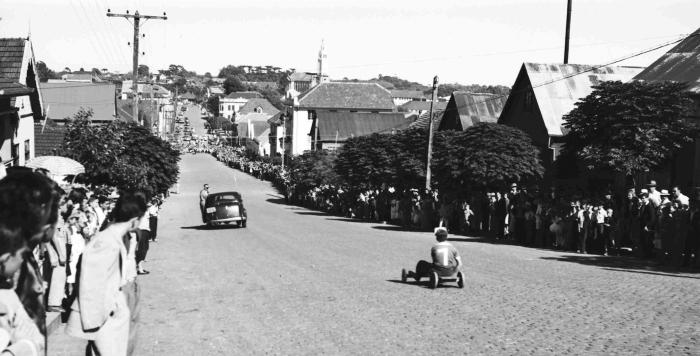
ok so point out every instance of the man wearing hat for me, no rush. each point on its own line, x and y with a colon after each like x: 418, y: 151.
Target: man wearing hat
x: 446, y: 258
x: 654, y: 195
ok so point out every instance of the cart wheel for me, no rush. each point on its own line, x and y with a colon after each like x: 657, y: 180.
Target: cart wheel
x: 403, y: 275
x: 460, y: 279
x: 434, y: 279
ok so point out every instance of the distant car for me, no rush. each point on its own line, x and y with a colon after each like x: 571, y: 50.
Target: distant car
x: 225, y: 208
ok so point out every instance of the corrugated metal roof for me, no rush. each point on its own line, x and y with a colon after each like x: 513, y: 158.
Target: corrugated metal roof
x: 359, y: 96
x: 423, y: 120
x: 63, y: 100
x: 301, y: 77
x: 423, y: 105
x: 556, y: 96
x: 413, y: 94
x: 353, y: 124
x: 680, y: 64
x: 473, y: 108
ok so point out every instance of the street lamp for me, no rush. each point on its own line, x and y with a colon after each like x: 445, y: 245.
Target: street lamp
x: 430, y: 134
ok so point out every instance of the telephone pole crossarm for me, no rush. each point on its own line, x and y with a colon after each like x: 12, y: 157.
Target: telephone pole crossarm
x: 135, y: 74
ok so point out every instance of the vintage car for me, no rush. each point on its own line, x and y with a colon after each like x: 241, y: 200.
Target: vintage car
x: 225, y: 208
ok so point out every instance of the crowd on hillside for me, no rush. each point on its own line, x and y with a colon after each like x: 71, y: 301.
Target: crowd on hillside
x: 648, y: 222
x: 74, y: 251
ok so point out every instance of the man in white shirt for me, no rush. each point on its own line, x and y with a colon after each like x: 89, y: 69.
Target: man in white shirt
x: 100, y: 313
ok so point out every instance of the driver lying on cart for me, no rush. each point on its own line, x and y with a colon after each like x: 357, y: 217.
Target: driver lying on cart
x: 446, y: 259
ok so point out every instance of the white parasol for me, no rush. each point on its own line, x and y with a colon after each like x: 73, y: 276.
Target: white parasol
x: 57, y: 165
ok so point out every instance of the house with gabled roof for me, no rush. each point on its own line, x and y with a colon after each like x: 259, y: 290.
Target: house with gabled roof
x: 543, y: 93
x: 681, y: 64
x: 466, y: 109
x: 22, y: 103
x: 258, y: 105
x: 232, y: 103
x: 333, y: 97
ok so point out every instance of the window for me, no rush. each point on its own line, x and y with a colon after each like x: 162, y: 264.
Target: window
x: 15, y: 154
x: 27, y: 151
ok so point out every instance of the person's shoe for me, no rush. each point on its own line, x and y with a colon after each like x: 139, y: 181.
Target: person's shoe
x: 142, y: 272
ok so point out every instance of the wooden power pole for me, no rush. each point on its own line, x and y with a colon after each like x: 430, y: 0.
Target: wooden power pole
x: 137, y: 20
x: 568, y: 27
x: 428, y: 172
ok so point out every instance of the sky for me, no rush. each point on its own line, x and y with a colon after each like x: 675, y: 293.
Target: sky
x: 461, y: 41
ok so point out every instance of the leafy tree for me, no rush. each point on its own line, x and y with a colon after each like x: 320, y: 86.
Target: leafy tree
x: 313, y: 169
x: 120, y: 154
x: 216, y: 123
x: 484, y: 155
x: 143, y: 70
x: 630, y: 128
x: 233, y: 84
x: 213, y: 105
x: 366, y: 162
x: 44, y: 72
x: 230, y: 71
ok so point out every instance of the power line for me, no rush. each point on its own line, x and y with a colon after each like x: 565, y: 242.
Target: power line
x: 135, y: 74
x: 489, y: 54
x: 591, y: 69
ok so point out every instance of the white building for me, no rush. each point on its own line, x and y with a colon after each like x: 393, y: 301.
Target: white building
x: 232, y: 103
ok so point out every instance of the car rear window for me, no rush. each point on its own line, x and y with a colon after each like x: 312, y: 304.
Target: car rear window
x: 224, y: 197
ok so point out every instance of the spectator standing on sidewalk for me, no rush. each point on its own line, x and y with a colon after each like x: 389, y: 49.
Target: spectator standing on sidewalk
x: 143, y: 236
x: 153, y: 209
x: 100, y: 313
x: 19, y: 335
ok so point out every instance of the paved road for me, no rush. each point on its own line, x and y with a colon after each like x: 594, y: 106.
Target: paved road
x: 301, y: 282
x: 194, y: 115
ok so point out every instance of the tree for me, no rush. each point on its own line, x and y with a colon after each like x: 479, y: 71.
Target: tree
x: 120, y: 154
x: 143, y: 70
x: 220, y: 123
x: 44, y: 72
x: 213, y: 105
x: 230, y: 71
x: 484, y: 155
x: 313, y: 169
x: 233, y: 84
x: 630, y: 128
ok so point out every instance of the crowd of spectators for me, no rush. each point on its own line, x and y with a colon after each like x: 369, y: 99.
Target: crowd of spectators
x: 648, y: 223
x: 54, y: 257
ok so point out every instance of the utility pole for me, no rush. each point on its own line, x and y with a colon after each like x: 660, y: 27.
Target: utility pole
x: 172, y: 127
x: 430, y: 134
x: 137, y: 19
x: 568, y: 27
x: 284, y: 133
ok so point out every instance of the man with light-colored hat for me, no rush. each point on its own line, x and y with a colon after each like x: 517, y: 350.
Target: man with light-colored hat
x: 654, y: 195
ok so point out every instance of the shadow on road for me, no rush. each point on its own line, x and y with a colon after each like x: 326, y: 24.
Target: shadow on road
x: 625, y: 264
x: 422, y: 284
x: 205, y: 227
x: 314, y: 213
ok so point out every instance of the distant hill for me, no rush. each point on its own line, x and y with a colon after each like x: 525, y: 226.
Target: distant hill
x: 390, y: 82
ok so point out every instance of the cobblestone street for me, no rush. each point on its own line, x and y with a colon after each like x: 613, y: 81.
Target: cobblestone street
x: 297, y: 281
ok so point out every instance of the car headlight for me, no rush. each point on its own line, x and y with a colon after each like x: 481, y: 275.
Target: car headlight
x: 211, y: 210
